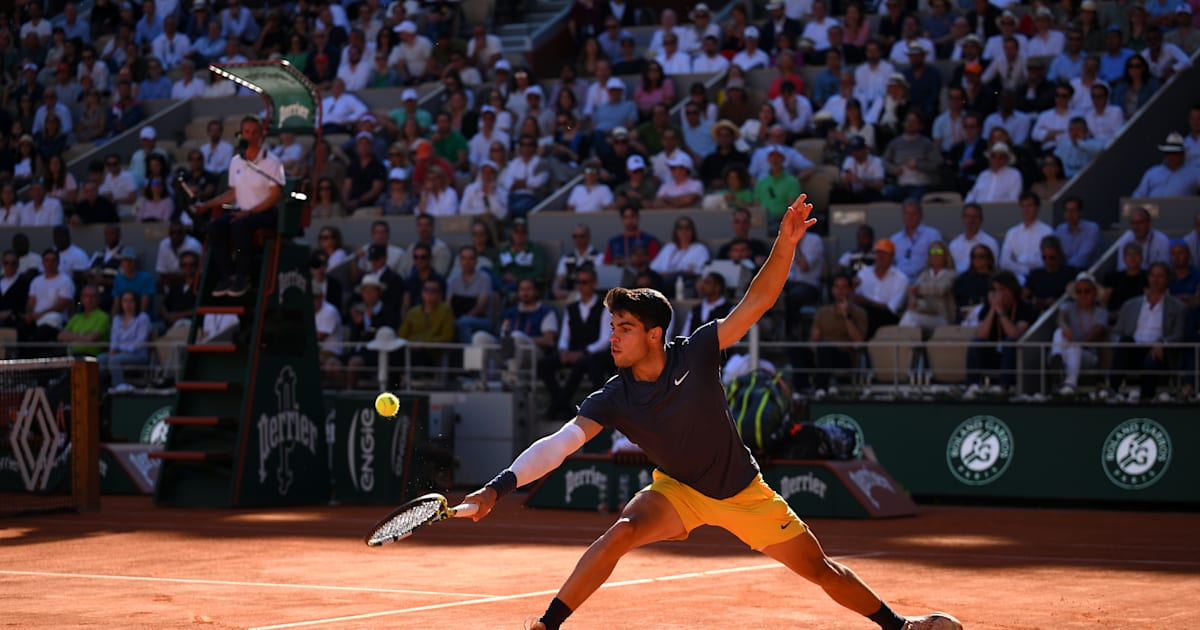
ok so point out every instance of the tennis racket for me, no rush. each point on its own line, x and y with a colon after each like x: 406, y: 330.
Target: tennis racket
x: 408, y: 518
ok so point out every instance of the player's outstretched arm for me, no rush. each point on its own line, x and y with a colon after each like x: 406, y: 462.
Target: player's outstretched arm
x: 768, y: 282
x: 540, y: 458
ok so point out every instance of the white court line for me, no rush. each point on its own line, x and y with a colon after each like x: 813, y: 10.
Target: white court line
x: 140, y: 578
x: 488, y: 600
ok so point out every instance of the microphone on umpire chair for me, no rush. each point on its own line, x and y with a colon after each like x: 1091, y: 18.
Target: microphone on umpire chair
x: 242, y: 147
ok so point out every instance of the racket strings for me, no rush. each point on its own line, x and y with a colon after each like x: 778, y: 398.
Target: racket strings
x: 404, y: 523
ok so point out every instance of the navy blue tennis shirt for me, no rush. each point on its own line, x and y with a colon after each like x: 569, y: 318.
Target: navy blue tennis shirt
x: 681, y: 420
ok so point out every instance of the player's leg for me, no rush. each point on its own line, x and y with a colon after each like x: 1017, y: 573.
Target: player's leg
x: 648, y: 518
x: 804, y: 556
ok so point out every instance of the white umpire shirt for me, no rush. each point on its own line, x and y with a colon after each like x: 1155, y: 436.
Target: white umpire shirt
x: 250, y: 186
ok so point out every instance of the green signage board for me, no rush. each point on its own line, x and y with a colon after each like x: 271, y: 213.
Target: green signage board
x: 1106, y: 453
x: 373, y: 456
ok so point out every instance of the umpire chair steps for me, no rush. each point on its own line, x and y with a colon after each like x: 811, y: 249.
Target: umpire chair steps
x: 244, y: 431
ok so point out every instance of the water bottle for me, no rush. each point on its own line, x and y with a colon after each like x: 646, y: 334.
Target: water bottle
x: 679, y: 288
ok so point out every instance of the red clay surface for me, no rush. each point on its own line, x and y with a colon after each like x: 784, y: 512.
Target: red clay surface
x: 136, y: 566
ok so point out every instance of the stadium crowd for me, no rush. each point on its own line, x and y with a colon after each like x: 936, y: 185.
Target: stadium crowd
x: 994, y: 103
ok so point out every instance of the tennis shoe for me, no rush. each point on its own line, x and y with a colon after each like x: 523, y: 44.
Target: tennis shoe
x: 238, y: 287
x: 222, y: 288
x: 935, y: 621
x: 533, y: 622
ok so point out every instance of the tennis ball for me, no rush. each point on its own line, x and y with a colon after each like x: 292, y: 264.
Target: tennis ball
x: 387, y: 404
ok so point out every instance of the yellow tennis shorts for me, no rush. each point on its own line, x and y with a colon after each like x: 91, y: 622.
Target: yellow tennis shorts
x: 758, y: 516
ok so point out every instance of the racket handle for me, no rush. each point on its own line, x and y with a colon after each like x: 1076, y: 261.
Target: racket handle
x: 465, y: 509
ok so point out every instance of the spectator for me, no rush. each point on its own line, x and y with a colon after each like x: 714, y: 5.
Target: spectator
x: 862, y: 255
x: 127, y: 340
x: 51, y: 105
x: 1144, y: 324
x: 1135, y: 88
x: 1081, y: 320
x: 1192, y: 239
x: 1015, y: 122
x: 427, y: 235
x: 14, y: 291
x: 881, y: 288
x: 914, y: 240
x: 965, y: 160
x: 1185, y: 35
x: 778, y: 24
x: 912, y: 160
x: 390, y: 284
x: 1185, y: 278
x: 365, y: 176
x: 750, y: 57
x: 331, y: 288
x: 60, y: 183
x: 1068, y: 65
x: 873, y: 76
x: 237, y: 21
x: 27, y: 164
x: 1127, y: 284
x: 1051, y: 125
x: 931, y: 296
x: 485, y: 196
x: 328, y: 326
x: 429, y: 321
x: 130, y: 278
x: 684, y: 256
x: 709, y: 59
x: 341, y: 110
x: 590, y: 195
x: 925, y: 81
x: 367, y: 317
x: 773, y: 191
x: 638, y: 187
x: 712, y: 305
x: 961, y: 246
x: 724, y: 154
x: 327, y: 203
x: 979, y: 96
x: 438, y: 198
x: 520, y: 259
x: 1155, y: 245
x: 171, y: 249
x: 737, y: 107
x: 73, y: 261
x: 1048, y: 283
x: 95, y: 121
x: 1081, y: 86
x: 1021, y: 251
x: 673, y: 59
x: 631, y: 235
x: 426, y: 158
x: 188, y: 85
x: 581, y: 255
x: 530, y: 322
x: 1046, y: 41
x: 1172, y: 178
x: 680, y: 190
x: 127, y: 110
x: 329, y: 242
x: 889, y: 113
x: 92, y: 208
x: 1000, y: 182
x: 89, y: 328
x: 740, y: 223
x: 50, y: 295
x: 1079, y: 148
x: 154, y: 204
x: 480, y: 144
x: 582, y: 347
x: 1104, y: 120
x: 41, y: 210
x: 1052, y: 177
x: 217, y: 152
x: 1007, y: 29
x: 525, y: 177
x: 736, y: 192
x: 840, y: 321
x: 1165, y: 60
x: 10, y: 208
x: 947, y: 128
x: 697, y: 131
x: 1002, y: 321
x: 804, y: 279
x: 469, y: 293
x: 1080, y: 238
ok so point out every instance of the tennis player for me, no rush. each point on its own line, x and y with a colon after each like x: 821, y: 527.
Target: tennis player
x: 668, y: 399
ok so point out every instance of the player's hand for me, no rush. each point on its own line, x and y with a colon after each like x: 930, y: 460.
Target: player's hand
x: 485, y: 498
x: 796, y: 220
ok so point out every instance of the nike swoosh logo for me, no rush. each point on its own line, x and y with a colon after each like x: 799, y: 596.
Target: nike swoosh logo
x: 680, y: 379
x: 785, y: 525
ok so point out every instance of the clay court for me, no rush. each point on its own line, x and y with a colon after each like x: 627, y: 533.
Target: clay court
x: 133, y: 565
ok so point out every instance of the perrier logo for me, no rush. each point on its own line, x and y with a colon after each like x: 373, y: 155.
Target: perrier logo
x: 1136, y: 454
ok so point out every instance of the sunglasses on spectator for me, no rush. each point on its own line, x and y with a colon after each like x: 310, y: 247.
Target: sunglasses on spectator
x: 937, y: 251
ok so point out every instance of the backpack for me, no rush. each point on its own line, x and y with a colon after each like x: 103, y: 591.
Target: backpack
x: 760, y: 402
x: 805, y: 440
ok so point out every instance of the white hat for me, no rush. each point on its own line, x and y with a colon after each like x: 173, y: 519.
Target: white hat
x: 406, y: 26
x: 1002, y: 147
x: 534, y: 90
x: 386, y: 340
x: 1087, y: 5
x: 370, y: 280
x: 634, y: 162
x: 398, y: 173
x: 1007, y: 15
x: 750, y: 33
x: 681, y: 160
x: 1174, y: 144
x: 619, y: 132
x: 364, y: 135
x: 774, y: 4
x: 502, y: 64
x: 490, y: 164
x: 1043, y: 12
x: 148, y: 133
x: 408, y: 94
x: 699, y: 8
x: 487, y: 109
x: 615, y: 84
